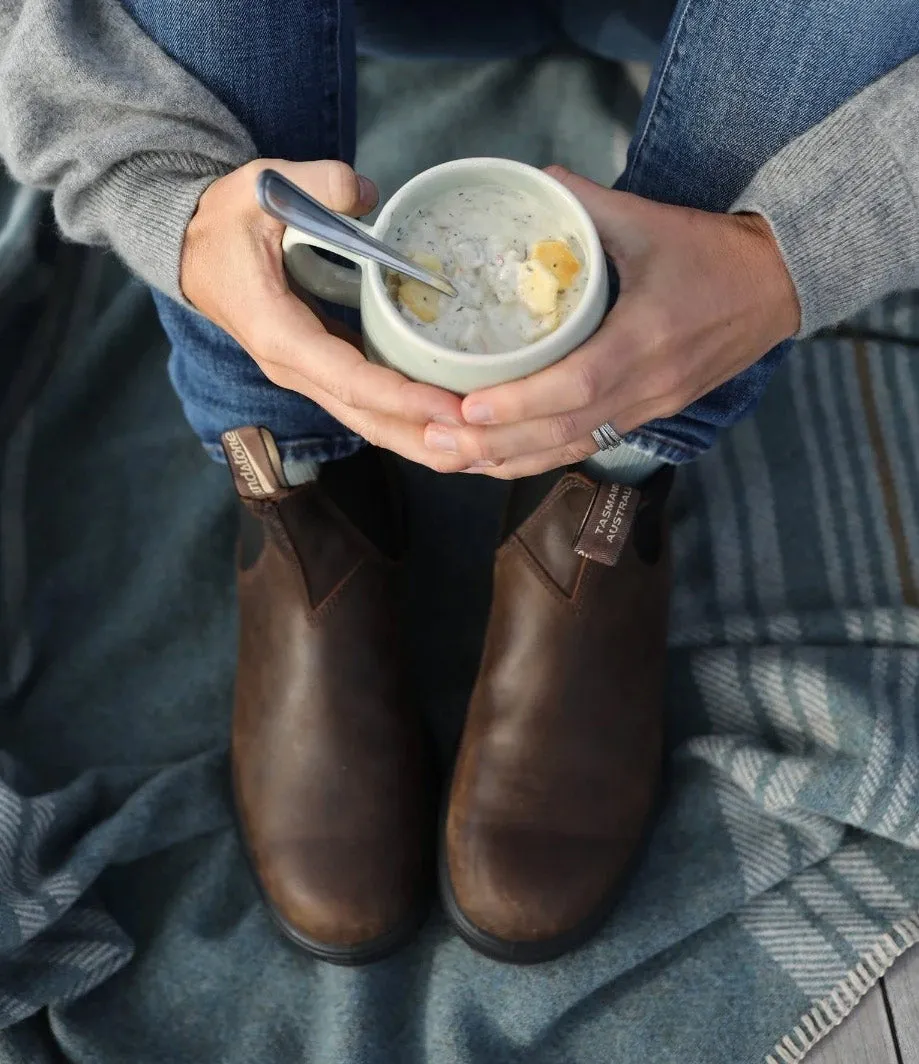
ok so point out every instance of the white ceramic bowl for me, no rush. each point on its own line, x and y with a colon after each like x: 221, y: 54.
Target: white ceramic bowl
x: 391, y: 340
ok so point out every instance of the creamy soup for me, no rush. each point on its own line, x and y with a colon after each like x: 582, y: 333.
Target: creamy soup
x: 517, y: 270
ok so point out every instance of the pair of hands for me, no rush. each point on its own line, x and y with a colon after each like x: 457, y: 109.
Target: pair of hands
x: 702, y: 297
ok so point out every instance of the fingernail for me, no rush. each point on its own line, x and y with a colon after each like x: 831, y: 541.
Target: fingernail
x: 483, y: 463
x: 479, y: 414
x: 444, y: 419
x: 440, y: 439
x: 368, y: 188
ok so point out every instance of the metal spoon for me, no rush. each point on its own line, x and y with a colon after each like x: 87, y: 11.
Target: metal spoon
x: 283, y: 200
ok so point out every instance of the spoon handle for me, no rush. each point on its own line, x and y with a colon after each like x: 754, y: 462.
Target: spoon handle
x: 283, y: 200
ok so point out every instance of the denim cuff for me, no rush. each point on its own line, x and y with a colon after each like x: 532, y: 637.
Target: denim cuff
x: 657, y: 446
x: 306, y: 449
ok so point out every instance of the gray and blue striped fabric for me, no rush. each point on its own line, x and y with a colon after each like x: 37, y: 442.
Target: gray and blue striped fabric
x: 782, y: 879
x: 796, y: 652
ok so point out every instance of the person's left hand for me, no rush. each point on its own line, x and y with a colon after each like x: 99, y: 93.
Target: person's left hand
x: 702, y: 297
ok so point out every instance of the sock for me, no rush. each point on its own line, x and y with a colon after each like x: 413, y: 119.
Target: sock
x: 622, y: 465
x: 300, y: 470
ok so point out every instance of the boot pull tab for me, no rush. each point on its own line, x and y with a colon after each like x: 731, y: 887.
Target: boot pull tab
x: 605, y: 529
x: 253, y: 458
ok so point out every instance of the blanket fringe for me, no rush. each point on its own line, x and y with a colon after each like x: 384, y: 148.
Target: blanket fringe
x: 828, y: 1013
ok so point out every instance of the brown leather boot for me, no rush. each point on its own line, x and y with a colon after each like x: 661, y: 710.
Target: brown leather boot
x: 558, y: 770
x: 328, y: 767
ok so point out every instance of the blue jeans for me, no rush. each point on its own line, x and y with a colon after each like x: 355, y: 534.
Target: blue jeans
x: 734, y: 81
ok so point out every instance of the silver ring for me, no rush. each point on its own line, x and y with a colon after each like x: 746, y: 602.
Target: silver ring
x: 606, y: 437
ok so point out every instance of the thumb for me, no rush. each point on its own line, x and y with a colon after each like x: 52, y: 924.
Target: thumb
x: 620, y: 217
x: 333, y: 183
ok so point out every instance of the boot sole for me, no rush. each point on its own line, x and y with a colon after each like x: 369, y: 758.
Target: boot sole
x: 524, y: 953
x: 377, y: 949
x: 370, y: 952
x: 510, y: 952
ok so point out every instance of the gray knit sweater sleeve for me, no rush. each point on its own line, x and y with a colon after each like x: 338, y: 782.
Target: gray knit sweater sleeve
x: 92, y: 109
x: 843, y: 201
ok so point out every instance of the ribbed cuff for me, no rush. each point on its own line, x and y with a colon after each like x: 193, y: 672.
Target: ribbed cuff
x: 145, y: 205
x: 623, y: 465
x: 843, y: 214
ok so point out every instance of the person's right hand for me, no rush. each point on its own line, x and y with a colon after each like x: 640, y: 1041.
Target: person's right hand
x: 232, y: 272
